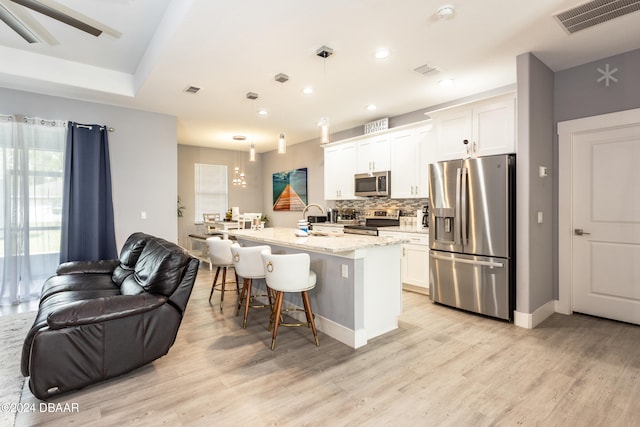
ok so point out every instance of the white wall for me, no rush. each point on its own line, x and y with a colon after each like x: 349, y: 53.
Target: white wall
x: 143, y: 153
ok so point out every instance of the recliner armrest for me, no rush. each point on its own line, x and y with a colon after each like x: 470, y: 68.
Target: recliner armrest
x: 82, y: 267
x: 103, y: 309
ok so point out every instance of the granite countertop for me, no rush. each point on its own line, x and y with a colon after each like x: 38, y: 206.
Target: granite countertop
x: 330, y: 243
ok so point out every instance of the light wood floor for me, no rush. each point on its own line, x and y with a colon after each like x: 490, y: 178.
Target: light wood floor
x: 441, y: 367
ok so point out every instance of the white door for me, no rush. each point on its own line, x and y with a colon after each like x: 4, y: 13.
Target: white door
x: 606, y: 222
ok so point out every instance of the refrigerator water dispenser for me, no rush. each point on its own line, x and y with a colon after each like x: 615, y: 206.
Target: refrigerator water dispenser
x: 443, y: 228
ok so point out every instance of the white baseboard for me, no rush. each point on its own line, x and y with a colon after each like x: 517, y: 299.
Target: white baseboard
x: 354, y: 339
x: 531, y: 320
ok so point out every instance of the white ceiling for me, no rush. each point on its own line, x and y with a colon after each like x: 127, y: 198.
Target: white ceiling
x: 228, y: 48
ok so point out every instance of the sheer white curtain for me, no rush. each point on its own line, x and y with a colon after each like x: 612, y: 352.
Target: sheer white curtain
x: 31, y: 172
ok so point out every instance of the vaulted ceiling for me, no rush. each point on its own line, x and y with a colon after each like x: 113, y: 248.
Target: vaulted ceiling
x: 151, y: 50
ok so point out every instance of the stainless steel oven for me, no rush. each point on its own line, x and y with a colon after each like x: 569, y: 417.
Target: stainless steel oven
x: 374, y: 220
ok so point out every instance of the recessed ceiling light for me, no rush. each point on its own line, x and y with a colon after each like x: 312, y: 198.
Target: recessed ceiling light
x: 307, y: 90
x: 262, y: 112
x: 382, y: 53
x: 446, y: 12
x: 445, y: 82
x: 371, y: 107
x: 239, y: 137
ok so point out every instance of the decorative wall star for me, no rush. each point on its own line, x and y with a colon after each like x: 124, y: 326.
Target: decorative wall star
x: 607, y: 75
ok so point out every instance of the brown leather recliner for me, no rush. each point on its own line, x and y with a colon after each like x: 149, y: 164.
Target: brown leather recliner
x: 100, y: 319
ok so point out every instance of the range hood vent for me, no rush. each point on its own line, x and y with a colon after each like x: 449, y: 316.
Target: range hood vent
x: 593, y: 13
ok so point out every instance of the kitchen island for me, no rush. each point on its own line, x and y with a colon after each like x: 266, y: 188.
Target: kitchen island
x: 358, y: 293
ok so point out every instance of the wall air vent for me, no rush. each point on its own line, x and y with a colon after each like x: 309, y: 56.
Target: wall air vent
x: 192, y: 89
x: 426, y: 69
x: 593, y: 13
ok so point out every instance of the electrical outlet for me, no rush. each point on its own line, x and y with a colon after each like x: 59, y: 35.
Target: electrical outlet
x: 540, y: 217
x: 143, y: 215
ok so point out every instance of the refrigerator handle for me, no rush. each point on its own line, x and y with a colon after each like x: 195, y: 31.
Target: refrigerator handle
x: 456, y: 223
x: 463, y: 206
x: 492, y: 264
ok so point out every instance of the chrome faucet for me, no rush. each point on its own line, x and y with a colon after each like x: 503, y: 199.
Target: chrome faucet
x: 306, y: 208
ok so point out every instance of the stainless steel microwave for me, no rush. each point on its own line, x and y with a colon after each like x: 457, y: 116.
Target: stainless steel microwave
x: 376, y: 184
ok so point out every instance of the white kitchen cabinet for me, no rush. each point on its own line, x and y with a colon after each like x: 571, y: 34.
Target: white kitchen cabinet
x: 339, y: 169
x: 453, y: 127
x: 415, y: 260
x: 494, y: 126
x: 373, y: 154
x: 411, y: 152
x: 488, y: 126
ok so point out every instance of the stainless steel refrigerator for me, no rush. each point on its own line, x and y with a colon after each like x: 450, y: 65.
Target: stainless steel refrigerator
x: 472, y: 233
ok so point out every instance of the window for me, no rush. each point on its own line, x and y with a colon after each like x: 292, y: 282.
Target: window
x: 211, y: 190
x: 31, y: 175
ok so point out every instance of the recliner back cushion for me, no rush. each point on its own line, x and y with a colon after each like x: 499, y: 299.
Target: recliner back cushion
x: 132, y: 249
x: 129, y: 255
x: 160, y: 267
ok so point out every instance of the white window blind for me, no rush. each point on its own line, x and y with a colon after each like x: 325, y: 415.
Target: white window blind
x: 210, y: 190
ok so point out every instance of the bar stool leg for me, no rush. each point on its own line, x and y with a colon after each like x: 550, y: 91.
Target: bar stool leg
x: 224, y: 281
x: 241, y: 296
x: 276, y: 317
x: 309, y: 313
x: 213, y: 285
x: 247, y: 302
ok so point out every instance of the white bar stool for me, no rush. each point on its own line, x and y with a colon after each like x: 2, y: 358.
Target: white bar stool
x: 289, y: 273
x: 247, y: 262
x: 221, y: 257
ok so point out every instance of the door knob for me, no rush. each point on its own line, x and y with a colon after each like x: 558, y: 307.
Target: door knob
x: 579, y: 232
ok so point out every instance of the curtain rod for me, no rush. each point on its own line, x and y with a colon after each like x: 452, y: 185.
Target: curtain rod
x: 110, y: 129
x: 64, y: 123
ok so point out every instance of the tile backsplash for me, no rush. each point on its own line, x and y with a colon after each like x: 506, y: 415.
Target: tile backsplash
x: 408, y: 207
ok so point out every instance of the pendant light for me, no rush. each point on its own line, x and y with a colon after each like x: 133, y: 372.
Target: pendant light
x: 252, y: 150
x: 324, y: 130
x: 282, y: 142
x: 324, y: 52
x: 239, y: 178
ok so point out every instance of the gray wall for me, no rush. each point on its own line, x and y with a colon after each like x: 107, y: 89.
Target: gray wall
x: 248, y: 199
x: 305, y: 155
x: 143, y: 151
x: 534, y: 242
x: 578, y: 93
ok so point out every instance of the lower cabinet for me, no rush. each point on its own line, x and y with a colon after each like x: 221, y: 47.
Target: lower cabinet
x: 415, y: 260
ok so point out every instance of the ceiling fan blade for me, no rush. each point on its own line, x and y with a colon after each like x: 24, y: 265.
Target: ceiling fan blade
x: 17, y: 25
x: 59, y: 16
x: 84, y: 18
x: 27, y: 19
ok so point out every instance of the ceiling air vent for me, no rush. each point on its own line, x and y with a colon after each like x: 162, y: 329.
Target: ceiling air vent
x: 425, y: 69
x: 594, y: 13
x: 192, y: 89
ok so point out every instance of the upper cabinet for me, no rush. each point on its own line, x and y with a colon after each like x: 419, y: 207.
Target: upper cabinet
x: 412, y: 150
x: 487, y: 126
x: 373, y: 154
x: 339, y: 169
x: 406, y: 152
